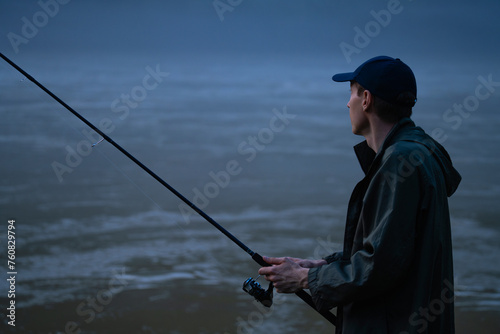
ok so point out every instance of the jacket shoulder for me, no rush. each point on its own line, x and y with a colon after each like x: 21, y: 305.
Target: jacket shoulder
x: 406, y: 149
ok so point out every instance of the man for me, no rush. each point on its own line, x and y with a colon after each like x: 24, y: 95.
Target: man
x: 395, y: 273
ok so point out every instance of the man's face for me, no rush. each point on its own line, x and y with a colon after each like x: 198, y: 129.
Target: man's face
x: 359, y: 122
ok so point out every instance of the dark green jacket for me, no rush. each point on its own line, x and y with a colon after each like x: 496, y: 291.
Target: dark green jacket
x: 395, y: 273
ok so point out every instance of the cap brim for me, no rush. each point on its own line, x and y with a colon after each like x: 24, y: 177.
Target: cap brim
x: 342, y: 77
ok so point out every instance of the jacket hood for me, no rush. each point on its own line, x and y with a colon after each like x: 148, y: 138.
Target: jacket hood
x: 406, y: 130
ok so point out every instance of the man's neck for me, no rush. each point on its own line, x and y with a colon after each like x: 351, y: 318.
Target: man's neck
x: 377, y: 132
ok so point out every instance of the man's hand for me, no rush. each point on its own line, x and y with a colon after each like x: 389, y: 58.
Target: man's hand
x: 288, y: 274
x: 304, y: 263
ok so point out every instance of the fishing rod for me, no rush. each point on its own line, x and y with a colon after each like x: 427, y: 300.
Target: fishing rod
x: 250, y: 285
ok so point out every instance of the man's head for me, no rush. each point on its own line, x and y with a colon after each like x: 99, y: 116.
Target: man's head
x: 390, y: 84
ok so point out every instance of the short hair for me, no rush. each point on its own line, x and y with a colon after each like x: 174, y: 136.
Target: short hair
x: 389, y: 112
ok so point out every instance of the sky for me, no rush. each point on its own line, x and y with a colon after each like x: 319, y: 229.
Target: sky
x: 345, y: 31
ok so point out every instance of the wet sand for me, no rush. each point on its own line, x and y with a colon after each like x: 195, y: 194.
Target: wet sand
x: 198, y: 309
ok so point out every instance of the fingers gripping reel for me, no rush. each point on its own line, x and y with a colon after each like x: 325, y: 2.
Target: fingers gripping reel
x: 253, y: 288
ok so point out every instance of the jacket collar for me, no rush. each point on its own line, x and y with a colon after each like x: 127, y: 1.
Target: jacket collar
x: 366, y: 156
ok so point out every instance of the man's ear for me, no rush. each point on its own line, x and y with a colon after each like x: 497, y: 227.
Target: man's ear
x: 367, y: 102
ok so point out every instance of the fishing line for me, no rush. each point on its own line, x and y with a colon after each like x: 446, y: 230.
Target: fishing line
x: 255, y: 256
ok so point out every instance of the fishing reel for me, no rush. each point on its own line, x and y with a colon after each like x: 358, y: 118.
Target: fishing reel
x: 253, y: 288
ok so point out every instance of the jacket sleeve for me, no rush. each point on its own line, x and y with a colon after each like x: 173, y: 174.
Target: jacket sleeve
x: 333, y: 257
x: 384, y: 240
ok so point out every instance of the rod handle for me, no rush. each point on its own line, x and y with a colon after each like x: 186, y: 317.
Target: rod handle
x: 301, y: 294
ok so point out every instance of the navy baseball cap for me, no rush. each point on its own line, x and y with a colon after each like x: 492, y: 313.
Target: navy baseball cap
x: 385, y: 77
